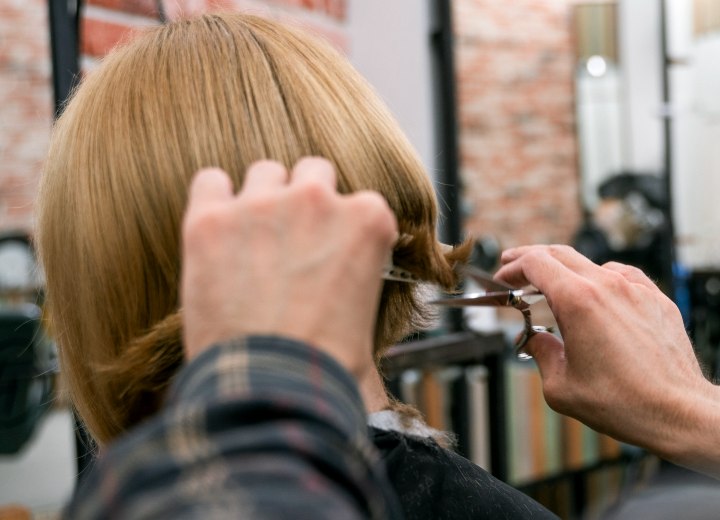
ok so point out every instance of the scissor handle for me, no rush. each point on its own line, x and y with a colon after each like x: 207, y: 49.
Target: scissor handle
x: 520, y: 351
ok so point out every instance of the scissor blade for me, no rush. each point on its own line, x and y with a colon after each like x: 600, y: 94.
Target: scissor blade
x: 492, y: 299
x: 486, y: 280
x: 398, y: 274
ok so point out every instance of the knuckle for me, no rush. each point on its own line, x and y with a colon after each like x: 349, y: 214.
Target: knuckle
x: 624, y: 269
x: 613, y: 265
x: 617, y: 282
x: 558, y: 250
x: 635, y: 272
x: 315, y: 192
x: 537, y: 256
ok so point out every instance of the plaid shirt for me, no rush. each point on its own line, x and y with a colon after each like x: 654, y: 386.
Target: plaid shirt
x: 262, y: 427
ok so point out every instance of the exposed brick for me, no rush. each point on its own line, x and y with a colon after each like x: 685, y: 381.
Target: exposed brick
x: 26, y: 108
x: 516, y: 113
x: 140, y: 7
x: 99, y: 36
x: 333, y: 8
x: 220, y: 5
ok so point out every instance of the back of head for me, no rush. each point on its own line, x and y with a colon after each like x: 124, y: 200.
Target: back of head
x: 219, y: 90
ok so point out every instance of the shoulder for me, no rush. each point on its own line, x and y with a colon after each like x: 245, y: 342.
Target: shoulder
x: 435, y: 482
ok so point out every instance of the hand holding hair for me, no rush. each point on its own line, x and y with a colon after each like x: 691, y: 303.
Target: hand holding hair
x: 287, y: 256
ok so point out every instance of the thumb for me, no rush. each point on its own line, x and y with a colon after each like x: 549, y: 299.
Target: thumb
x: 549, y: 354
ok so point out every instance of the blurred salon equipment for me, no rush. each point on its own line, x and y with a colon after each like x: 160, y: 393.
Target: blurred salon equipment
x: 629, y: 224
x: 28, y: 362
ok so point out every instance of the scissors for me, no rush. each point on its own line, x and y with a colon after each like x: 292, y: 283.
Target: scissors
x: 498, y: 294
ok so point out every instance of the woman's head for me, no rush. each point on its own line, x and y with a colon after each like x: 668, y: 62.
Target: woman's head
x: 220, y: 90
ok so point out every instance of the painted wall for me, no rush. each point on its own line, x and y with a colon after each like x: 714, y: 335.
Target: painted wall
x: 641, y: 64
x: 390, y: 46
x: 696, y: 133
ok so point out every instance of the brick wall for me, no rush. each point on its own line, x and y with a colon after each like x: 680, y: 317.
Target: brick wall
x: 516, y: 109
x: 25, y: 107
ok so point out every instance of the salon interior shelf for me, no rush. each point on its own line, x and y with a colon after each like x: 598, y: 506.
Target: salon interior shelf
x: 459, y: 347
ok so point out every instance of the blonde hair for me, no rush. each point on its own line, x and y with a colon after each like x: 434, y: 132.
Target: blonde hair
x: 219, y: 90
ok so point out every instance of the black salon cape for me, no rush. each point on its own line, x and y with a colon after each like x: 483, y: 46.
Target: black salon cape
x: 435, y: 483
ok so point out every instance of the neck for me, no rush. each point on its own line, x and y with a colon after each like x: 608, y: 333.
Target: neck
x: 373, y: 392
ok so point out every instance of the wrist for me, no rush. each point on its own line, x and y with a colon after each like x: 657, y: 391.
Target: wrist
x: 693, y: 441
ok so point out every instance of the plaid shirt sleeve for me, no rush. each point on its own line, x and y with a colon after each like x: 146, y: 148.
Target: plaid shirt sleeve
x: 260, y: 427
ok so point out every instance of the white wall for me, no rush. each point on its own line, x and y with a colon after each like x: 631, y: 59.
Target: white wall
x: 695, y: 89
x: 390, y: 46
x: 641, y: 64
x: 42, y: 476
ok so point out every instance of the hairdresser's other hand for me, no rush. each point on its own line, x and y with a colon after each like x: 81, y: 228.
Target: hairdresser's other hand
x: 626, y: 367
x: 285, y: 256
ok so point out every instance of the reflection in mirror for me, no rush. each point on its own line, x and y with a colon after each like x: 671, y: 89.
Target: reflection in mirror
x: 598, y: 95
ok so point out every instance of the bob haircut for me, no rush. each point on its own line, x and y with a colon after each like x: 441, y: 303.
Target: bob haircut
x: 220, y: 90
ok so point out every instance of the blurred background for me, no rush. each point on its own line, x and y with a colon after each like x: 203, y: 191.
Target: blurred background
x: 590, y: 123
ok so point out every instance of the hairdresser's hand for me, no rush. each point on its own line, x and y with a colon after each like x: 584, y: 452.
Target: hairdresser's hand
x: 287, y: 256
x: 626, y: 367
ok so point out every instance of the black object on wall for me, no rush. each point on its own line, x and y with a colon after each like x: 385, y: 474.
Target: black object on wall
x: 448, y: 187
x: 26, y: 369
x: 64, y: 16
x: 448, y: 177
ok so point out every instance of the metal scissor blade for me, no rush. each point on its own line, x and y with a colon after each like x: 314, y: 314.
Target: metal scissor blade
x: 397, y: 274
x: 493, y: 299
